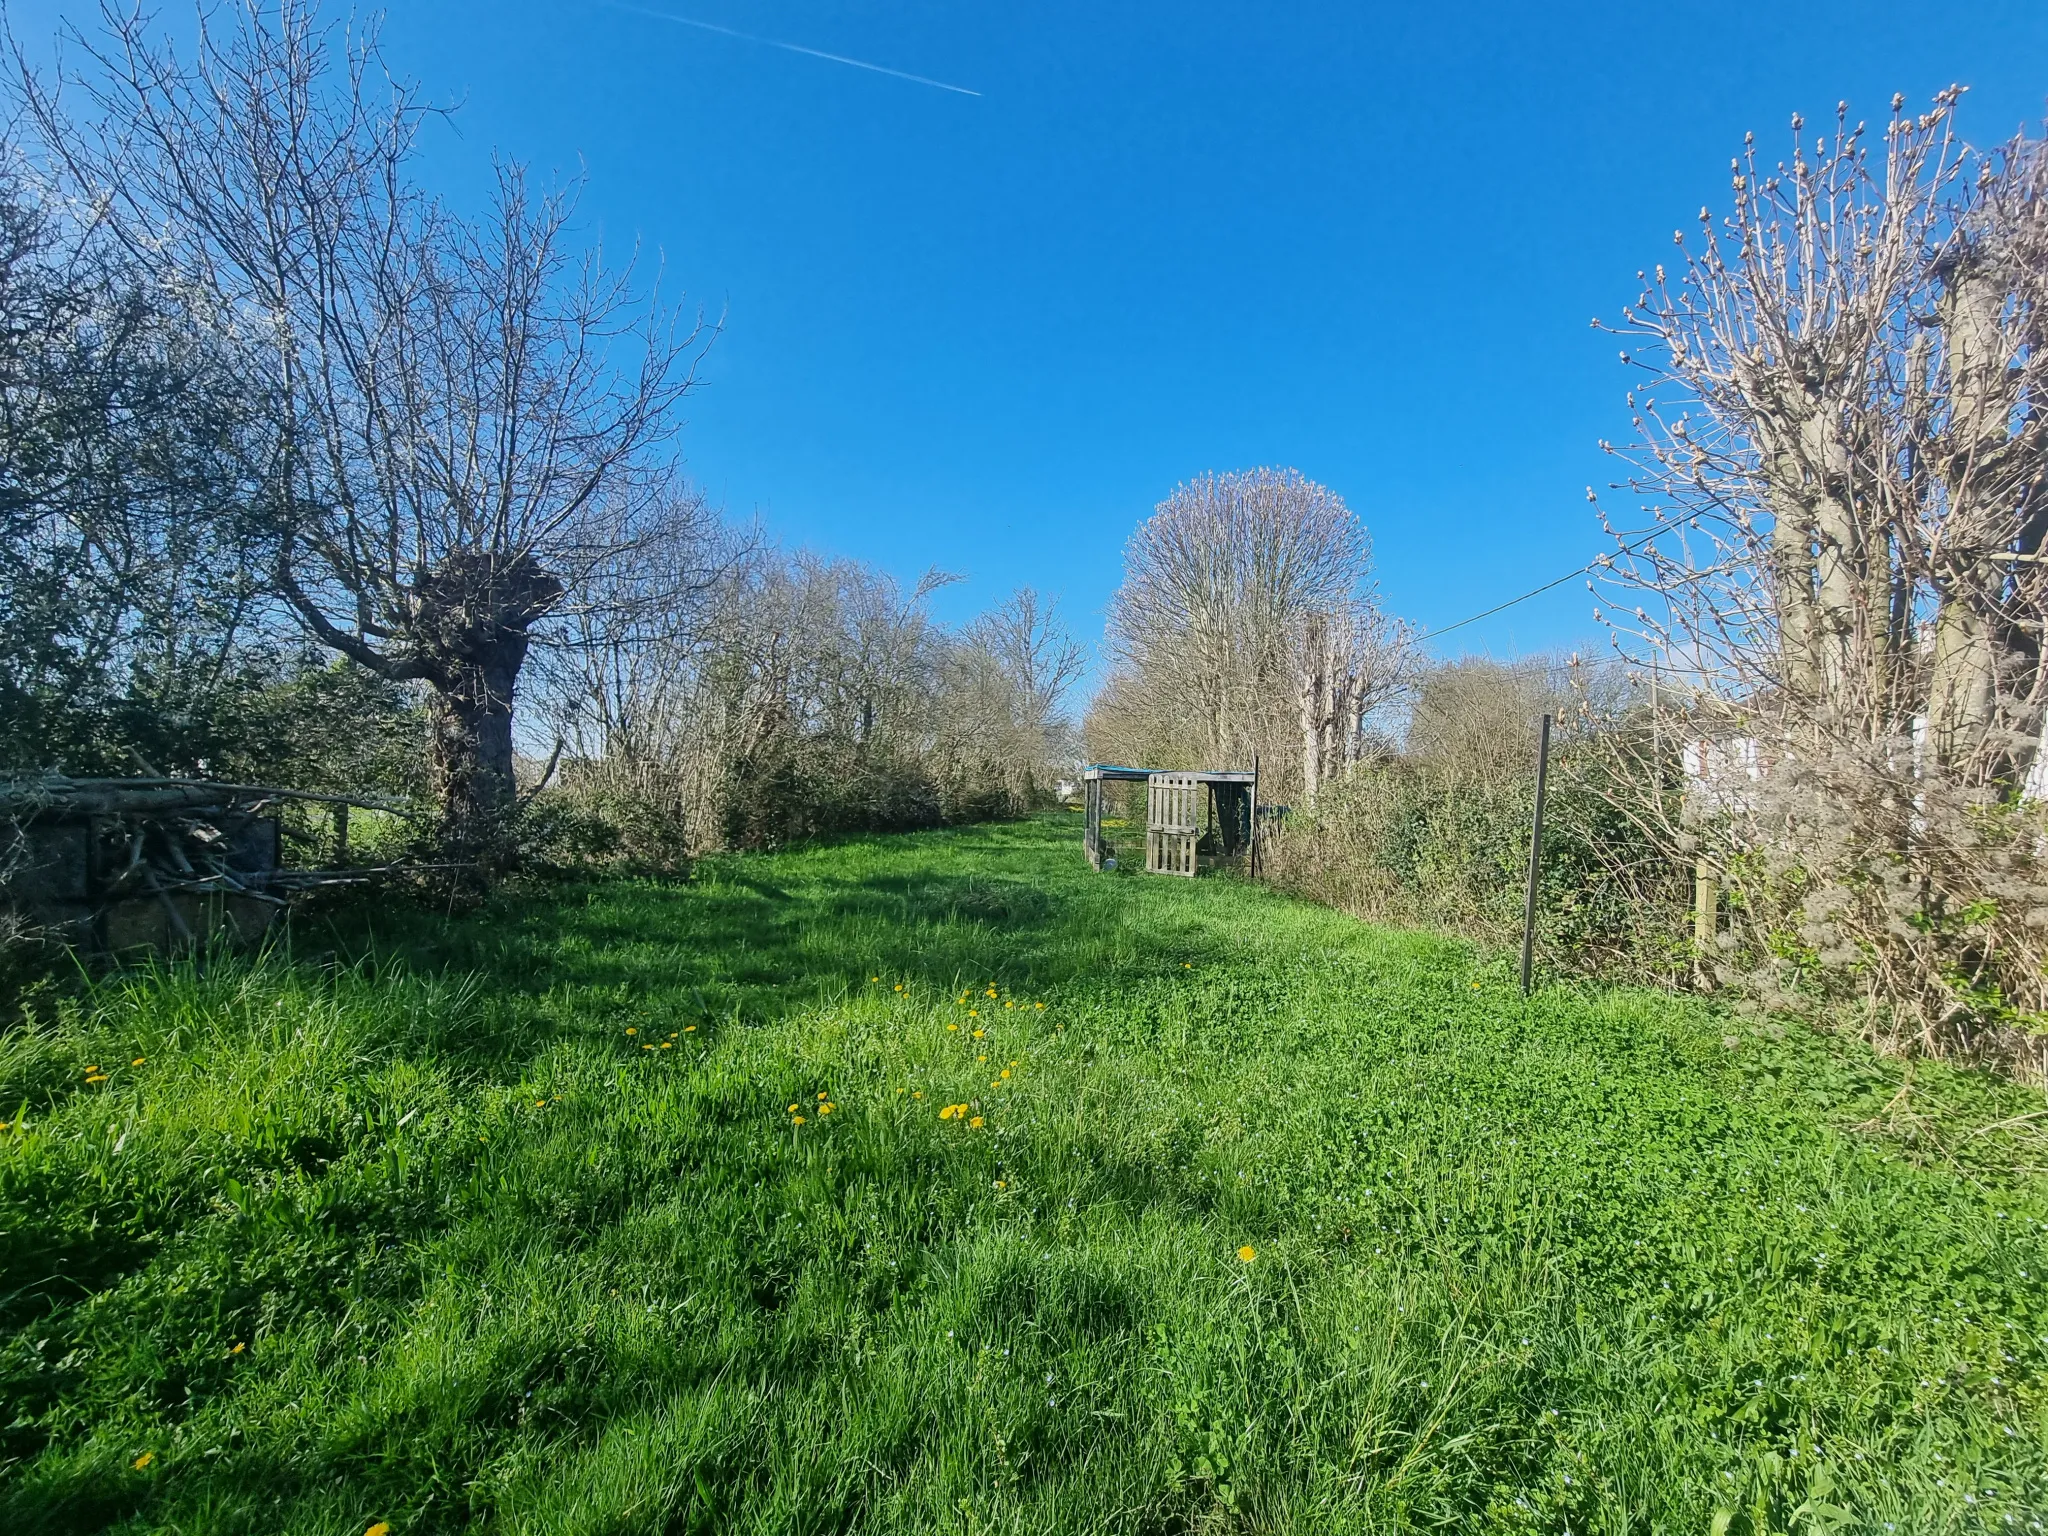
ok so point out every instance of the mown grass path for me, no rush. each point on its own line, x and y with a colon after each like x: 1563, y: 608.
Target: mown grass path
x: 1276, y: 1223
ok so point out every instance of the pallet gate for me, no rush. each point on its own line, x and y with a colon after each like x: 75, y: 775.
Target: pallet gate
x: 1175, y: 803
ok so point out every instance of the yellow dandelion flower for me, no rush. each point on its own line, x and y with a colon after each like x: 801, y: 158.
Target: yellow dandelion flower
x: 1186, y: 965
x: 953, y: 1026
x: 974, y: 1013
x: 646, y: 1047
x: 948, y: 1112
x: 1039, y: 1006
x: 975, y: 1123
x: 689, y: 1029
x: 824, y: 1096
x: 899, y: 986
x: 980, y: 1033
x: 632, y: 1030
x: 97, y: 1077
x: 981, y: 1058
x: 668, y: 1045
x: 991, y: 991
x: 381, y: 1528
x: 1001, y: 1185
x: 794, y: 1108
x: 1006, y: 1071
x: 826, y: 1109
x: 672, y: 1034
x: 238, y: 1349
x: 538, y: 1103
x: 144, y: 1460
x: 874, y: 978
x: 1475, y: 986
x: 918, y: 1094
x: 138, y: 1061
x: 796, y: 1119
x: 1247, y: 1253
x: 1009, y: 1005
x: 5, y: 1124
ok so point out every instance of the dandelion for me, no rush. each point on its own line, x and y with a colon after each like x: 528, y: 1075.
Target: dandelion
x: 1247, y: 1253
x: 1006, y: 1072
x: 381, y: 1528
x: 138, y: 1061
x: 899, y: 986
x: 794, y: 1108
x: 949, y: 1111
x: 539, y: 1103
x: 646, y: 1047
x: 1010, y: 1004
x: 991, y: 991
x: 823, y: 1096
x: 796, y: 1119
x: 632, y: 1029
x: 238, y: 1349
x: 952, y: 1026
x: 874, y: 978
x: 979, y: 1033
x: 975, y: 1123
x: 1039, y: 1006
x: 97, y: 1077
x: 918, y: 1094
x: 92, y: 1069
x: 1187, y: 965
x: 689, y: 1029
x: 144, y: 1460
x: 668, y: 1045
x: 981, y: 1058
x: 826, y: 1109
x: 1001, y: 1185
x: 974, y: 1013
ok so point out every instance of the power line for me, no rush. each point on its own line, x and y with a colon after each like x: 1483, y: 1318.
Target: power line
x: 1626, y: 549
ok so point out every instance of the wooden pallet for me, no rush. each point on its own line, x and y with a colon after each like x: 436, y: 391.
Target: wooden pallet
x: 1173, y: 823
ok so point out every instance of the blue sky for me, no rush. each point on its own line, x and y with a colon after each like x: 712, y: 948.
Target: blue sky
x: 988, y: 332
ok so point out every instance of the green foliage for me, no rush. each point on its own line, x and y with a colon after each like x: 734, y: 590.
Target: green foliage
x: 1398, y: 841
x: 507, y: 1220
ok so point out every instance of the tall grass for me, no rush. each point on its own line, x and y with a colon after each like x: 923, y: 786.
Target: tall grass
x: 508, y: 1222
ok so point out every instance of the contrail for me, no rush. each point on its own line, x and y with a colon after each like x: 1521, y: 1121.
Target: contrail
x: 769, y: 42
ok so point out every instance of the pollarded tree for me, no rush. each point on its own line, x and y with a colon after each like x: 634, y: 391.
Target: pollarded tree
x: 1842, y: 400
x: 1840, y: 425
x: 459, y: 418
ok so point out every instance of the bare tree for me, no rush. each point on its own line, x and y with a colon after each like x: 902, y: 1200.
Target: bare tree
x: 1840, y: 425
x: 1247, y: 623
x: 460, y: 417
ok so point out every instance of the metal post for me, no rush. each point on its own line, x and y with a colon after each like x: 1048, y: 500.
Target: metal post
x: 1535, y: 853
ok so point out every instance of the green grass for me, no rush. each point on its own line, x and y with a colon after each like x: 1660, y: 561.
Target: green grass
x: 429, y: 1238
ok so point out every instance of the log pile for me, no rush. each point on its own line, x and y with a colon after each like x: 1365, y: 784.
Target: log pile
x: 159, y: 862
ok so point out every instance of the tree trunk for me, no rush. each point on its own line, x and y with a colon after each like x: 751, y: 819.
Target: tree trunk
x: 474, y: 621
x: 1315, y: 653
x: 470, y: 755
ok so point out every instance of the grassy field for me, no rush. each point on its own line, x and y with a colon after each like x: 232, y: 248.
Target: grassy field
x: 645, y: 1208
